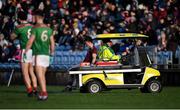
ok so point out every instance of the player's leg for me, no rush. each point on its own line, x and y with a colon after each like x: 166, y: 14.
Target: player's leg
x: 29, y: 59
x: 26, y: 77
x: 39, y: 73
x: 44, y: 79
x: 45, y: 89
x: 42, y: 82
x: 41, y: 78
x: 33, y: 78
x: 42, y: 62
x: 25, y: 72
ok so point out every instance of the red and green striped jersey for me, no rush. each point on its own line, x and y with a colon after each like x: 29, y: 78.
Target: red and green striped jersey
x: 41, y: 45
x: 23, y: 31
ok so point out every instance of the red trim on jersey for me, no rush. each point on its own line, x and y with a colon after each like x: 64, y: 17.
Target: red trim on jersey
x: 23, y: 25
x: 40, y: 26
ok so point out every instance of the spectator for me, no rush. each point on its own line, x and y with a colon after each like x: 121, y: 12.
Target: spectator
x: 9, y: 8
x: 5, y: 53
x: 66, y: 35
x: 3, y: 41
x: 6, y: 26
x: 73, y: 19
x: 17, y: 55
x: 162, y: 41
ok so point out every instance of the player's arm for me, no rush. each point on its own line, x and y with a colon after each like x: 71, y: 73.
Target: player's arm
x: 94, y: 55
x: 52, y: 45
x: 30, y: 42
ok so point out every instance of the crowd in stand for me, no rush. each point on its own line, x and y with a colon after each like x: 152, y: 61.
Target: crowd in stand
x: 72, y: 20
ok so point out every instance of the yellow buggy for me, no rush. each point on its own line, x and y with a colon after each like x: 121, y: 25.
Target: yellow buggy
x: 137, y: 73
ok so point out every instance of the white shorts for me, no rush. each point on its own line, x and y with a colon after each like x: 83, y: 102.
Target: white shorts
x: 41, y: 60
x: 28, y: 58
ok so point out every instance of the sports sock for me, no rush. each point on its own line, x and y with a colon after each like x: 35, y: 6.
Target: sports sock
x: 29, y: 89
x: 34, y: 89
x: 44, y: 93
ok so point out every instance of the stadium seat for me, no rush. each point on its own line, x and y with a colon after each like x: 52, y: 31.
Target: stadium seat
x: 57, y: 67
x: 62, y: 47
x: 58, y: 53
x: 57, y: 48
x: 4, y: 67
x: 63, y: 60
x: 67, y: 48
x: 159, y: 58
x: 170, y: 57
x: 167, y: 57
x: 72, y: 60
x: 177, y: 54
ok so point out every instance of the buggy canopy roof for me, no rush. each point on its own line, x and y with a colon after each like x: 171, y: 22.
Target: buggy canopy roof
x: 120, y: 36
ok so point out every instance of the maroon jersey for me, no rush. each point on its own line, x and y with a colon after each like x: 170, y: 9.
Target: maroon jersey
x: 89, y: 54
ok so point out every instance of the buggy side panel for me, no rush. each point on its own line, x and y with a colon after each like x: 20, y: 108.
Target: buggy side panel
x: 108, y: 79
x: 149, y: 72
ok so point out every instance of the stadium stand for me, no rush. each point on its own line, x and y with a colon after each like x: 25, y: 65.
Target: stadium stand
x: 159, y: 19
x: 9, y: 67
x: 62, y: 61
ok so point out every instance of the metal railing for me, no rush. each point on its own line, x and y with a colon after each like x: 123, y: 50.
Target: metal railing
x: 163, y: 59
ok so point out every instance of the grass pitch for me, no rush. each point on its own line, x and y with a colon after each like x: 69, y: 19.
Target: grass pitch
x: 15, y: 97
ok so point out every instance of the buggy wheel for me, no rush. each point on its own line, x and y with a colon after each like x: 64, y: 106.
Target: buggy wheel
x: 154, y: 86
x: 94, y: 86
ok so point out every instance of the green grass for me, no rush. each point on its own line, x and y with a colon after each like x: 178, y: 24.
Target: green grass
x: 15, y: 97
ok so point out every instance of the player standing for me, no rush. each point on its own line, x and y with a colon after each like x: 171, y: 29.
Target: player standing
x: 43, y: 46
x: 23, y: 31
